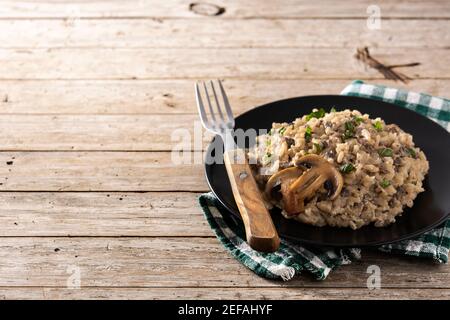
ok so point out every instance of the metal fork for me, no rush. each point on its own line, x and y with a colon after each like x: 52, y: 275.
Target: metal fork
x: 259, y: 228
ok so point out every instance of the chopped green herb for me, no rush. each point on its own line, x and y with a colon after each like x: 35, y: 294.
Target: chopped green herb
x: 333, y: 109
x: 378, y: 126
x: 268, y: 142
x: 349, y: 131
x: 385, y: 183
x: 385, y: 152
x: 358, y: 120
x: 350, y: 126
x: 282, y: 130
x: 267, y: 158
x: 316, y: 114
x: 347, y: 168
x: 270, y: 132
x: 318, y: 147
x: 412, y: 152
x: 308, y: 134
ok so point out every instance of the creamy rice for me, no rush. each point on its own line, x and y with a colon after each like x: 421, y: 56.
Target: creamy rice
x: 381, y: 168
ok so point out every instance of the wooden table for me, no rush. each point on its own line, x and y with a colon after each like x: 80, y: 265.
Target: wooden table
x: 91, y: 205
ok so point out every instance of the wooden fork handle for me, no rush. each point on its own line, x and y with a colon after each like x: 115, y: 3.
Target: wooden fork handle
x: 260, y: 231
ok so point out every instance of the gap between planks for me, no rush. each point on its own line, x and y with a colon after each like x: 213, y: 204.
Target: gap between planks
x: 299, y: 293
x: 223, y: 19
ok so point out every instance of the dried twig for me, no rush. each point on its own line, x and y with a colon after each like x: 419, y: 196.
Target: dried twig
x: 362, y: 54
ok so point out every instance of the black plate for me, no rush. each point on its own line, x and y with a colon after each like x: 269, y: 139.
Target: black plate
x: 430, y: 207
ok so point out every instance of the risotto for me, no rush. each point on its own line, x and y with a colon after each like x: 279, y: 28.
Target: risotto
x: 340, y: 169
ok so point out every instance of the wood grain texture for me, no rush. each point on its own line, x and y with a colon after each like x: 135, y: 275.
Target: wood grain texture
x: 221, y: 33
x: 102, y: 132
x: 235, y: 9
x: 196, y: 293
x: 169, y: 262
x: 108, y: 214
x: 169, y: 63
x: 99, y: 171
x: 166, y: 96
x: 117, y: 76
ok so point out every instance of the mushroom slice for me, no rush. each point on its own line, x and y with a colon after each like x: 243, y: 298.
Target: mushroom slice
x: 318, y: 173
x: 282, y: 176
x: 321, y: 172
x: 280, y: 183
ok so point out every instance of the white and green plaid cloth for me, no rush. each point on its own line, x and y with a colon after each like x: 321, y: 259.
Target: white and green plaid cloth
x: 293, y: 258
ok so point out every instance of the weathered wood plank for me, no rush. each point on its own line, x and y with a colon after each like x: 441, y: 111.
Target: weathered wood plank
x: 101, y: 132
x: 101, y: 214
x: 221, y: 33
x: 181, y: 262
x: 166, y: 96
x: 221, y: 293
x: 239, y: 9
x: 99, y: 171
x: 254, y: 63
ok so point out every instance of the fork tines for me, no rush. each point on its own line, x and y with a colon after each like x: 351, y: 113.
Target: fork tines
x: 218, y: 119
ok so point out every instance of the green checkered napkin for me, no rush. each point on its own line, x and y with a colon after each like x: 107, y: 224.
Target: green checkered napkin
x: 293, y: 258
